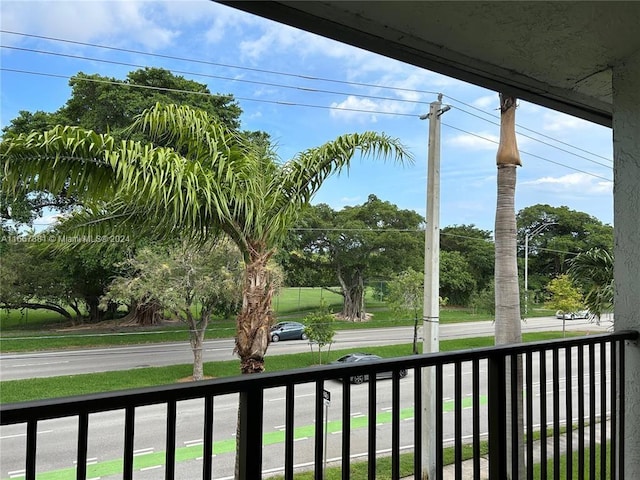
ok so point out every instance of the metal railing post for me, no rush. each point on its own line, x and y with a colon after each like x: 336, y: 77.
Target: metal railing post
x: 249, y: 439
x: 497, y: 407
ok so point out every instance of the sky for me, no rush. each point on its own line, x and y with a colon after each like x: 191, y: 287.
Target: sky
x: 304, y: 90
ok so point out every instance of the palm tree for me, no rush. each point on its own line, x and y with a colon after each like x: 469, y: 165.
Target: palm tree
x: 507, y: 294
x: 206, y: 181
x: 594, y: 269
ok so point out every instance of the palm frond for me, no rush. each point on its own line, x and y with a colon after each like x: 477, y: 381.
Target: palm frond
x: 594, y: 268
x: 298, y: 180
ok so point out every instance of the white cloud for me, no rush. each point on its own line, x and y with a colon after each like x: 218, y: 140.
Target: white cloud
x: 573, y: 184
x: 486, y: 101
x: 109, y: 22
x: 354, y: 108
x: 345, y: 109
x: 479, y: 141
x: 560, y: 122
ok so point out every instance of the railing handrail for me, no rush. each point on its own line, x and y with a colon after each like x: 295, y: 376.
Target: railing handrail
x: 13, y: 413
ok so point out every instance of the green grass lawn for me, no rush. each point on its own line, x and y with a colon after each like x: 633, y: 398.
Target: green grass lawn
x: 359, y: 469
x: 52, y: 387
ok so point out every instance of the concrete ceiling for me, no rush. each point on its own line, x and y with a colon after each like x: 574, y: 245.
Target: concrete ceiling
x: 556, y: 54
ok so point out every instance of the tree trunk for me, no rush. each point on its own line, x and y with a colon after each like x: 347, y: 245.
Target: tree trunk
x: 506, y: 268
x: 197, y: 330
x: 353, y: 299
x: 41, y: 306
x: 253, y: 324
x: 196, y: 340
x: 147, y: 314
x: 74, y: 306
x: 95, y: 314
x: 255, y: 318
x: 507, y: 294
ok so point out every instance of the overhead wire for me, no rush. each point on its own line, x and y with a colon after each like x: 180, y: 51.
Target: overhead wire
x: 458, y: 109
x: 282, y: 102
x: 306, y: 77
x: 207, y: 62
x: 218, y: 77
x: 528, y: 129
x: 528, y: 153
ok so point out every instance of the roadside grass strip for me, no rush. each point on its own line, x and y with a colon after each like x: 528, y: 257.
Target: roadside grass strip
x: 193, y: 452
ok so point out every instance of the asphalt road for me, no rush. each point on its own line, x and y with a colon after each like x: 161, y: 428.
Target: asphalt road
x: 71, y: 362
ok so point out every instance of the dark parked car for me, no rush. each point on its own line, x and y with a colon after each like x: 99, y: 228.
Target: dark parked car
x: 364, y: 357
x: 288, y: 331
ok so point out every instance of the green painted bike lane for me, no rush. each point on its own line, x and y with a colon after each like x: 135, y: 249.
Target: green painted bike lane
x: 155, y: 459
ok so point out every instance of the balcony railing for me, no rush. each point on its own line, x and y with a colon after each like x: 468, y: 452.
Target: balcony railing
x: 568, y: 386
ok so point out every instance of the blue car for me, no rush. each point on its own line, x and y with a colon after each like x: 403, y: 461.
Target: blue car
x: 288, y: 331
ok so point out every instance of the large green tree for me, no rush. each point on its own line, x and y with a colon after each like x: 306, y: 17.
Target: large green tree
x: 358, y: 243
x: 206, y: 181
x: 31, y: 279
x: 107, y: 104
x: 566, y: 233
x: 457, y: 283
x: 477, y: 248
x: 39, y: 277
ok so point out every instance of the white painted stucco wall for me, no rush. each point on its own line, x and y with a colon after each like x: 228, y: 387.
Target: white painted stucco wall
x: 626, y: 154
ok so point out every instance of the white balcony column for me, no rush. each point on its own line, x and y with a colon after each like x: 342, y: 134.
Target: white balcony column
x: 626, y: 155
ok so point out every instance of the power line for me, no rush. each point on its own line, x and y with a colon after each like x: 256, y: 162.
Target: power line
x: 206, y: 62
x: 530, y: 154
x: 540, y: 141
x: 218, y: 77
x: 528, y: 129
x: 175, y: 90
x: 278, y: 102
x: 305, y: 77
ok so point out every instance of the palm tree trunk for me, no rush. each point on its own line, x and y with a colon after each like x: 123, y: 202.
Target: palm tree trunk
x: 255, y: 318
x: 506, y: 268
x: 507, y: 292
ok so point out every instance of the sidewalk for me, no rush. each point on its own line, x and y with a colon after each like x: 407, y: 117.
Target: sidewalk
x: 467, y: 466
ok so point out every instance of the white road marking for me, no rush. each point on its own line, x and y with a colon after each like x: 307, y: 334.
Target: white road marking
x: 193, y: 443
x: 37, y: 364
x: 24, y: 434
x: 142, y: 451
x: 280, y: 399
x: 151, y: 468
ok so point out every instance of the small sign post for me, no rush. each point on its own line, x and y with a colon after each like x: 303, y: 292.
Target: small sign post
x: 326, y: 394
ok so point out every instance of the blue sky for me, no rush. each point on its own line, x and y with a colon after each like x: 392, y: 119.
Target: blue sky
x: 304, y: 89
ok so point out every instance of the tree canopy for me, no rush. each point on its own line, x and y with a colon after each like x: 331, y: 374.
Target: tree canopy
x: 565, y: 234
x: 108, y: 104
x: 204, y: 181
x: 358, y: 243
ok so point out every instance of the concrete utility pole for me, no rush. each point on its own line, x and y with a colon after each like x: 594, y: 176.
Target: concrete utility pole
x: 431, y: 308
